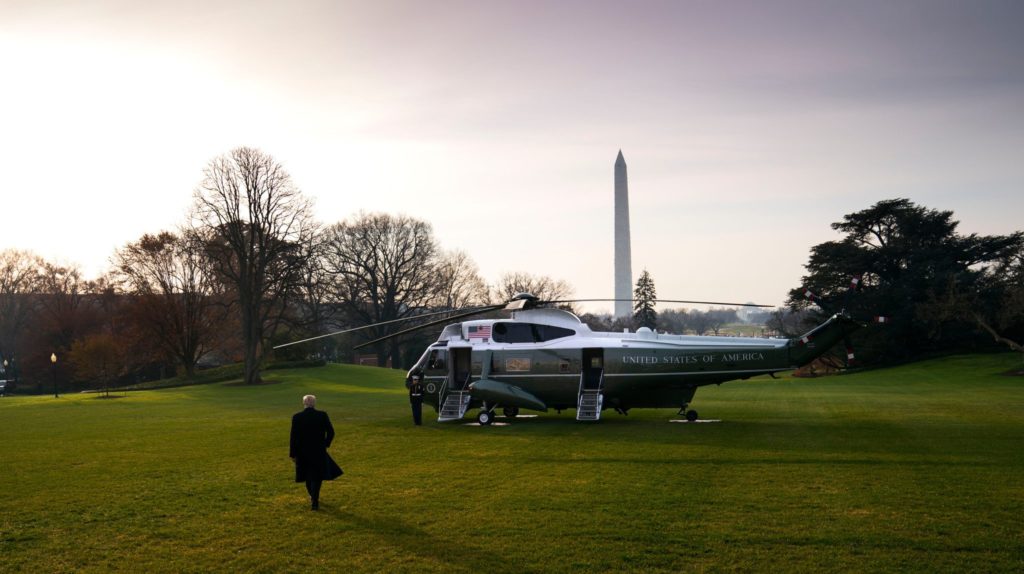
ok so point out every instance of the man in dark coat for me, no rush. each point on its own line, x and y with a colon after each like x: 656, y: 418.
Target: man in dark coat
x: 311, y: 434
x: 416, y: 398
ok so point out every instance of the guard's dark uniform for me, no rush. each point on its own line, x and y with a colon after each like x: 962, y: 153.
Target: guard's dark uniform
x: 416, y: 400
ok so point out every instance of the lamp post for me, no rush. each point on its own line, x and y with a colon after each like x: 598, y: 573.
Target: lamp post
x: 53, y: 360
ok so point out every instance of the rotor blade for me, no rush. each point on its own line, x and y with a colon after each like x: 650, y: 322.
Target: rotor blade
x: 368, y: 326
x: 850, y: 357
x: 661, y: 301
x: 478, y: 311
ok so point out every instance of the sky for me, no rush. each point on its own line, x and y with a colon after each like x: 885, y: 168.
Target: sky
x: 747, y: 127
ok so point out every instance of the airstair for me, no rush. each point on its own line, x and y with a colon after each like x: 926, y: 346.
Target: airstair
x: 590, y: 400
x: 455, y: 404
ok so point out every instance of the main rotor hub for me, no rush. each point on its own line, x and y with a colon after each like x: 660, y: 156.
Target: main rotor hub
x: 521, y: 301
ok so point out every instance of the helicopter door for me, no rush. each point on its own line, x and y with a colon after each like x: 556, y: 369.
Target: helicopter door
x: 593, y: 368
x: 459, y: 368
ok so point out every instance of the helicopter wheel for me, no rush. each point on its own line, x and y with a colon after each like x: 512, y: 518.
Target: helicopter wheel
x: 485, y: 417
x: 691, y: 416
x: 510, y: 412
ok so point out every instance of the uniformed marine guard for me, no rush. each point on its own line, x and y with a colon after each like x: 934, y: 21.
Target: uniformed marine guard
x: 416, y: 398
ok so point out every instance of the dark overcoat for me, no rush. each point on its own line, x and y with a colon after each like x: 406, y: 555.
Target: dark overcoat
x: 312, y: 433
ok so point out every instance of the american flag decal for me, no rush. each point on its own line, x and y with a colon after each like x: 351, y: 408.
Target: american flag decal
x: 479, y: 331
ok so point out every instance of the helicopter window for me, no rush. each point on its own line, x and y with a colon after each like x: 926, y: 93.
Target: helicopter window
x: 513, y: 333
x: 528, y: 333
x: 550, y: 333
x: 436, y: 360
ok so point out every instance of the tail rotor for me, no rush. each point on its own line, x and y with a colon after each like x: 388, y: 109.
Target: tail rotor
x: 856, y: 285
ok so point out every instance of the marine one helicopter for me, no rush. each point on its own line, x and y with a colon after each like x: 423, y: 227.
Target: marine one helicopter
x: 545, y: 358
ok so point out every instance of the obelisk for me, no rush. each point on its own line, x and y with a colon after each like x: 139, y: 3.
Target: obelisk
x: 623, y: 265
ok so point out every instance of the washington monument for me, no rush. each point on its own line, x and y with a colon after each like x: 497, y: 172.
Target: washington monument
x: 623, y: 266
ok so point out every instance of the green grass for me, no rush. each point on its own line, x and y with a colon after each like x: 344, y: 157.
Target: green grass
x: 917, y: 468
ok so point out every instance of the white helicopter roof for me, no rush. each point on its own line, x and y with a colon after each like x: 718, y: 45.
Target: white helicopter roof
x: 479, y: 332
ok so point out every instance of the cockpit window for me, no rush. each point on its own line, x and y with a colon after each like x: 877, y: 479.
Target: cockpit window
x: 436, y: 360
x: 509, y: 332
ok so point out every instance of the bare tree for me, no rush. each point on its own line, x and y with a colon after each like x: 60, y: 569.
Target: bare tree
x: 20, y: 273
x: 786, y: 322
x: 698, y: 321
x: 718, y: 318
x: 97, y: 359
x: 541, y: 286
x: 316, y: 309
x: 262, y: 233
x: 175, y: 295
x: 62, y: 311
x: 384, y: 268
x: 458, y: 282
x: 597, y: 321
x: 608, y: 323
x: 673, y: 320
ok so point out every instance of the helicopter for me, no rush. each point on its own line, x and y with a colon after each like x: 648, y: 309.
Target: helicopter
x: 543, y: 358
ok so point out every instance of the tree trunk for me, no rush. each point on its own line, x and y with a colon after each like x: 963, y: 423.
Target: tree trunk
x: 252, y: 363
x: 251, y: 345
x: 996, y: 336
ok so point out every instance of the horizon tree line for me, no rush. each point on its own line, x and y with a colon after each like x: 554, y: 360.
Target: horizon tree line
x: 251, y: 267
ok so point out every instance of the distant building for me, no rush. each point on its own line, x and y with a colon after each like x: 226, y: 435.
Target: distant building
x: 370, y: 360
x: 743, y: 313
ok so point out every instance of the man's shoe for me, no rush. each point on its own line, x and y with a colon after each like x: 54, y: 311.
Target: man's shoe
x: 316, y: 505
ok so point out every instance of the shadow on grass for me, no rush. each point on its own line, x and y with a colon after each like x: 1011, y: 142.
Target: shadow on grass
x: 829, y: 441
x: 459, y: 553
x: 775, y: 461
x: 261, y: 383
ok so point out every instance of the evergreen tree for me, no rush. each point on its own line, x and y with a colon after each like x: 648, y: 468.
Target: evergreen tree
x: 643, y: 302
x: 906, y: 256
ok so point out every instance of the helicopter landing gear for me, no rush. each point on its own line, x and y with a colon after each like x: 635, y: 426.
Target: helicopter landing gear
x: 485, y: 417
x: 691, y: 415
x: 510, y: 412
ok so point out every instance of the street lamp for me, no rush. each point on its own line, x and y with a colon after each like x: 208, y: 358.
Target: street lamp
x: 53, y: 359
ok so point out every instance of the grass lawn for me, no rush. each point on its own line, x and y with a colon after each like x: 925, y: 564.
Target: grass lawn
x: 917, y: 468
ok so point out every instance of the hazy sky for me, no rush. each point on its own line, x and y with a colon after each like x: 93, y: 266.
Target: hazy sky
x: 747, y: 127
